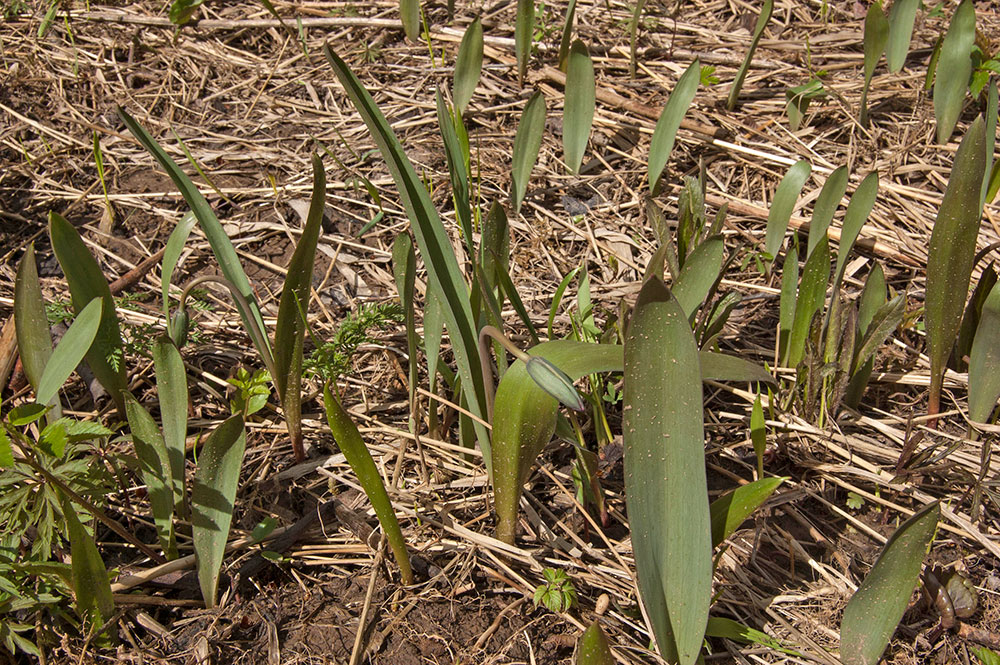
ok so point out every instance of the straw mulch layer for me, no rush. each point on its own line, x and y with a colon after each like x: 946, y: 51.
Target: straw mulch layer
x: 250, y: 105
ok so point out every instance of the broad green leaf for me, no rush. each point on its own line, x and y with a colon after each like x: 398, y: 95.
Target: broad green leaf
x: 826, y: 205
x: 860, y: 206
x: 290, y: 330
x: 444, y: 275
x: 212, y: 500
x: 468, y: 65
x: 567, y: 35
x: 578, y: 113
x: 670, y: 121
x: 951, y: 254
x: 91, y: 584
x: 346, y: 434
x: 876, y: 37
x: 456, y: 169
x: 953, y: 70
x: 155, y: 468
x: 70, y: 351
x: 34, y: 341
x: 171, y: 386
x: 786, y: 301
x: 741, y: 74
x: 25, y: 414
x: 6, y: 453
x: 524, y: 25
x: 992, y: 108
x: 933, y: 63
x: 733, y: 630
x: 901, y: 18
x: 984, y: 362
x: 222, y: 246
x: 872, y: 614
x: 664, y: 444
x: 812, y: 292
x: 758, y: 435
x: 885, y: 321
x: 409, y: 15
x: 731, y: 509
x: 593, y: 648
x: 527, y: 142
x: 700, y: 271
x: 86, y: 282
x: 494, y: 247
x: 783, y: 204
x: 172, y: 254
x: 986, y: 656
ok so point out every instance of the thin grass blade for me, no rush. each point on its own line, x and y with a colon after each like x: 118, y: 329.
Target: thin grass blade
x: 468, y: 65
x: 670, y: 121
x: 527, y: 143
x: 992, y: 108
x: 901, y: 19
x: 786, y: 301
x: 783, y: 204
x: 456, y: 170
x: 741, y: 74
x: 567, y: 35
x: 872, y: 614
x: 70, y: 351
x: 758, y: 435
x: 954, y: 68
x: 578, y: 114
x: 633, y: 36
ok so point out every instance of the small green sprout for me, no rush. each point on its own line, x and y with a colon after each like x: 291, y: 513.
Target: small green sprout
x: 557, y: 593
x: 855, y: 500
x: 252, y: 391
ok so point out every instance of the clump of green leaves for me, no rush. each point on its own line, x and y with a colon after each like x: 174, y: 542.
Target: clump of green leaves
x: 331, y: 359
x: 252, y: 391
x: 557, y: 593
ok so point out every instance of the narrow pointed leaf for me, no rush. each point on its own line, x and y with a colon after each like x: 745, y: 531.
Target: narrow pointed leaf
x: 872, y: 297
x: 70, y: 351
x: 409, y: 16
x: 665, y: 473
x: 468, y: 65
x: 670, y: 121
x: 984, y: 362
x: 758, y: 436
x: 222, y: 246
x: 872, y: 614
x: 812, y: 292
x: 34, y: 341
x: 724, y: 367
x: 212, y: 500
x: 901, y: 18
x: 567, y: 35
x: 700, y: 271
x: 736, y: 631
x: 91, y: 584
x: 171, y: 386
x: 172, y: 254
x: 594, y: 648
x: 155, y: 469
x: 741, y: 74
x: 404, y: 270
x: 456, y: 170
x: 578, y: 114
x: 786, y: 301
x: 633, y: 35
x: 731, y: 509
x: 527, y: 142
x: 992, y: 108
x: 524, y: 25
x: 826, y: 205
x: 876, y: 38
x: 346, y: 434
x: 953, y: 69
x: 86, y: 282
x: 860, y: 206
x: 783, y: 204
x: 951, y: 254
x: 885, y: 321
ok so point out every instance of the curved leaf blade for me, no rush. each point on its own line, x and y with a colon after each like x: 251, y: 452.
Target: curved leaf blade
x: 524, y: 24
x: 783, y: 204
x: 670, y: 121
x: 409, y: 16
x: 172, y: 254
x: 468, y: 65
x: 701, y: 270
x: 826, y: 205
x: 812, y: 293
x: 91, y: 584
x: 527, y: 143
x: 581, y: 97
x: 171, y: 386
x: 154, y: 466
x: 861, y: 205
x: 901, y: 19
x: 731, y: 509
x: 741, y: 74
x: 984, y: 361
x: 70, y: 351
x: 876, y: 37
x: 34, y: 340
x: 953, y: 70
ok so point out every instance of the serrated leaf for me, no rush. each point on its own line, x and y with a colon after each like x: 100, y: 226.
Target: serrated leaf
x: 213, y: 498
x: 731, y: 509
x: 70, y: 351
x: 875, y: 39
x: 34, y: 341
x: 872, y: 614
x: 468, y: 65
x: 154, y: 466
x: 171, y: 386
x: 741, y: 74
x: 954, y: 67
x: 665, y: 473
x: 527, y: 143
x: 670, y: 120
x: 783, y: 204
x: 594, y: 648
x: 826, y: 205
x: 984, y: 361
x: 578, y: 113
x: 901, y: 19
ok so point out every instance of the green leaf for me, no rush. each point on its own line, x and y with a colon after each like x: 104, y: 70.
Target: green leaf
x: 404, y: 270
x: 567, y: 35
x: 171, y: 386
x: 346, y: 434
x: 670, y: 121
x: 6, y: 453
x: 86, y: 282
x: 91, y: 585
x: 826, y: 205
x: 181, y: 11
x: 524, y: 25
x: 986, y: 656
x: 70, y: 351
x: 885, y: 321
x: 593, y: 648
x: 901, y: 18
x: 741, y: 74
x: 951, y: 254
x: 578, y: 113
x: 25, y: 414
x: 409, y: 15
x: 872, y: 297
x: 798, y: 99
x: 860, y: 206
x: 456, y: 170
x: 992, y: 108
x: 154, y: 465
x: 444, y: 275
x: 172, y: 254
x: 812, y: 292
x: 724, y: 367
x: 758, y: 435
x: 876, y: 37
x: 786, y: 301
x: 984, y: 362
x: 468, y: 65
x: 222, y: 246
x: 733, y: 630
x: 527, y: 142
x: 665, y: 473
x: 213, y: 498
x: 34, y: 341
x: 290, y: 329
x: 633, y: 35
x: 731, y: 509
x: 783, y: 204
x: 953, y: 70
x: 872, y: 614
x: 701, y: 270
